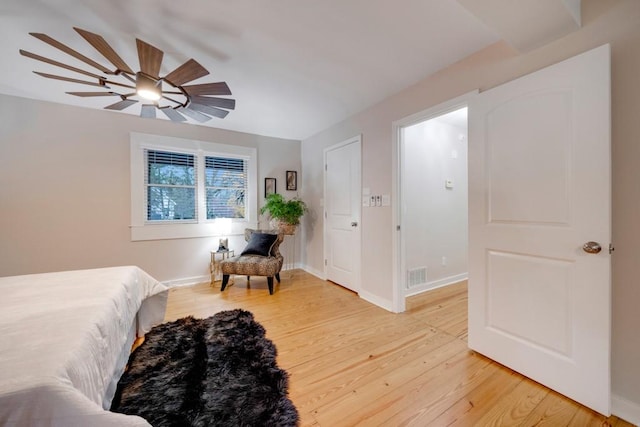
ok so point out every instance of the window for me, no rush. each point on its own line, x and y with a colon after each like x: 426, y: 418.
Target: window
x: 226, y: 186
x: 170, y: 182
x: 182, y: 188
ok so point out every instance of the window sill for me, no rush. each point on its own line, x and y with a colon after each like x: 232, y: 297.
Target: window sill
x: 185, y: 231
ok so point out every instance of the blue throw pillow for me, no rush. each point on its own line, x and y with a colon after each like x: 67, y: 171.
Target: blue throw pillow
x: 260, y: 244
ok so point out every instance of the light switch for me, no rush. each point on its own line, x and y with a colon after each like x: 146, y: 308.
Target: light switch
x: 365, y: 201
x: 378, y: 200
x: 386, y: 200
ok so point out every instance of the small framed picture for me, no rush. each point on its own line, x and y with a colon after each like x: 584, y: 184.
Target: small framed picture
x: 292, y: 180
x: 269, y: 186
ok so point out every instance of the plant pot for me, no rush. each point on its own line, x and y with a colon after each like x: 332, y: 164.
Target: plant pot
x: 283, y: 227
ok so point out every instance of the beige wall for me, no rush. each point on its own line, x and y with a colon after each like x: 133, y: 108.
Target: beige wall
x: 65, y: 189
x: 604, y: 21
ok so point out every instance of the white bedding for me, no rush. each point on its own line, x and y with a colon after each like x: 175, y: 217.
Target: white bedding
x: 64, y: 341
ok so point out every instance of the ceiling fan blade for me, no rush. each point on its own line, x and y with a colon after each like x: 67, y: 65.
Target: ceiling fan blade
x: 219, y: 88
x: 66, y: 49
x: 119, y: 84
x: 121, y: 105
x: 212, y: 111
x: 173, y: 114
x: 188, y: 71
x: 66, y: 79
x: 171, y: 100
x: 194, y: 114
x: 128, y: 77
x: 148, y: 111
x: 215, y: 102
x: 105, y: 50
x: 150, y: 58
x: 89, y: 94
x: 59, y: 64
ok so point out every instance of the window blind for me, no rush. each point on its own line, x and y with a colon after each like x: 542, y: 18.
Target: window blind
x: 170, y: 181
x: 225, y: 186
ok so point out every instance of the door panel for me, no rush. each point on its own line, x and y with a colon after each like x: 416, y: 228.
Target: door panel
x: 520, y: 289
x: 342, y: 206
x: 529, y: 160
x: 342, y: 258
x: 539, y: 188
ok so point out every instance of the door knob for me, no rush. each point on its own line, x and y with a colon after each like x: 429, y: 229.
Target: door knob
x: 592, y: 247
x: 354, y: 224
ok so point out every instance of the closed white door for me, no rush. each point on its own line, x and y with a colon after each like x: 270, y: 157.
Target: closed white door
x: 539, y: 189
x: 342, y: 213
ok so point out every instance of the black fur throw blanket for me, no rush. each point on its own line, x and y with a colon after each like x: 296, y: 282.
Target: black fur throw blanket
x: 219, y: 371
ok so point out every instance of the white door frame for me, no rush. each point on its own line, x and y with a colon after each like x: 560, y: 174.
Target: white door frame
x: 399, y: 264
x: 358, y: 253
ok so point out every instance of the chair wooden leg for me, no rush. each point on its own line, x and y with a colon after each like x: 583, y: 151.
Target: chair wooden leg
x: 278, y: 277
x: 270, y: 284
x: 225, y: 280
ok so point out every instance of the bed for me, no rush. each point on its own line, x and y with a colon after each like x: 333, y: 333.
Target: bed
x: 64, y: 342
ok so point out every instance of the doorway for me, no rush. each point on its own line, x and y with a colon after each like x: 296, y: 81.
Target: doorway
x: 431, y: 199
x: 433, y: 179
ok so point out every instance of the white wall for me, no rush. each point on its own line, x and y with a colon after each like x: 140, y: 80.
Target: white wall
x: 604, y: 21
x: 435, y: 219
x: 65, y: 190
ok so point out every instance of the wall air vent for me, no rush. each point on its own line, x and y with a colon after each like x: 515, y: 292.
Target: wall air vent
x: 416, y: 276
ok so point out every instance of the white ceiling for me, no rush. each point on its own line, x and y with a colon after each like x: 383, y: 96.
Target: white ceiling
x: 295, y: 67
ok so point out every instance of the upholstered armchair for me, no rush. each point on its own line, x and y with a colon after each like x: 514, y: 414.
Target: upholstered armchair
x: 261, y: 257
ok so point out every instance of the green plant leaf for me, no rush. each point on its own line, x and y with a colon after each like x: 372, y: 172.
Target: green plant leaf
x: 289, y: 211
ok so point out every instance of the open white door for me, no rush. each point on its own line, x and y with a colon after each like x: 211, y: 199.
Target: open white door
x: 342, y: 213
x: 540, y: 189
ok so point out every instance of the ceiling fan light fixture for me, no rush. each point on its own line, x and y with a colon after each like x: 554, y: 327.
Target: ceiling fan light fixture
x: 147, y: 87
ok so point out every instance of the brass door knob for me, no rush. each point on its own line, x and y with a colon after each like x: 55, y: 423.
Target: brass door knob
x: 592, y: 247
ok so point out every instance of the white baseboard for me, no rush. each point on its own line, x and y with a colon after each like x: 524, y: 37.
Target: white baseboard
x: 187, y: 281
x: 376, y: 300
x: 319, y: 274
x: 295, y: 266
x: 436, y: 284
x: 373, y: 299
x: 625, y: 409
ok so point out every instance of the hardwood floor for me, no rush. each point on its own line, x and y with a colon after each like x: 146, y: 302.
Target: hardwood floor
x: 352, y: 363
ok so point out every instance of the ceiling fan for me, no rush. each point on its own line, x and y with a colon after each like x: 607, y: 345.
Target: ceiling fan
x: 167, y: 94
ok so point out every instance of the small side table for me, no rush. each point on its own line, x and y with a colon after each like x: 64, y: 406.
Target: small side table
x: 214, y: 265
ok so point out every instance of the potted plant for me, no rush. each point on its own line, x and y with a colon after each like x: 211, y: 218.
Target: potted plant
x: 285, y: 214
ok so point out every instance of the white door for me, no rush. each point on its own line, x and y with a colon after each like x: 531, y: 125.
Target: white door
x: 539, y: 189
x: 342, y: 213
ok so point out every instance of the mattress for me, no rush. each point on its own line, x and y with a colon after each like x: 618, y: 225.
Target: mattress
x: 64, y: 341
